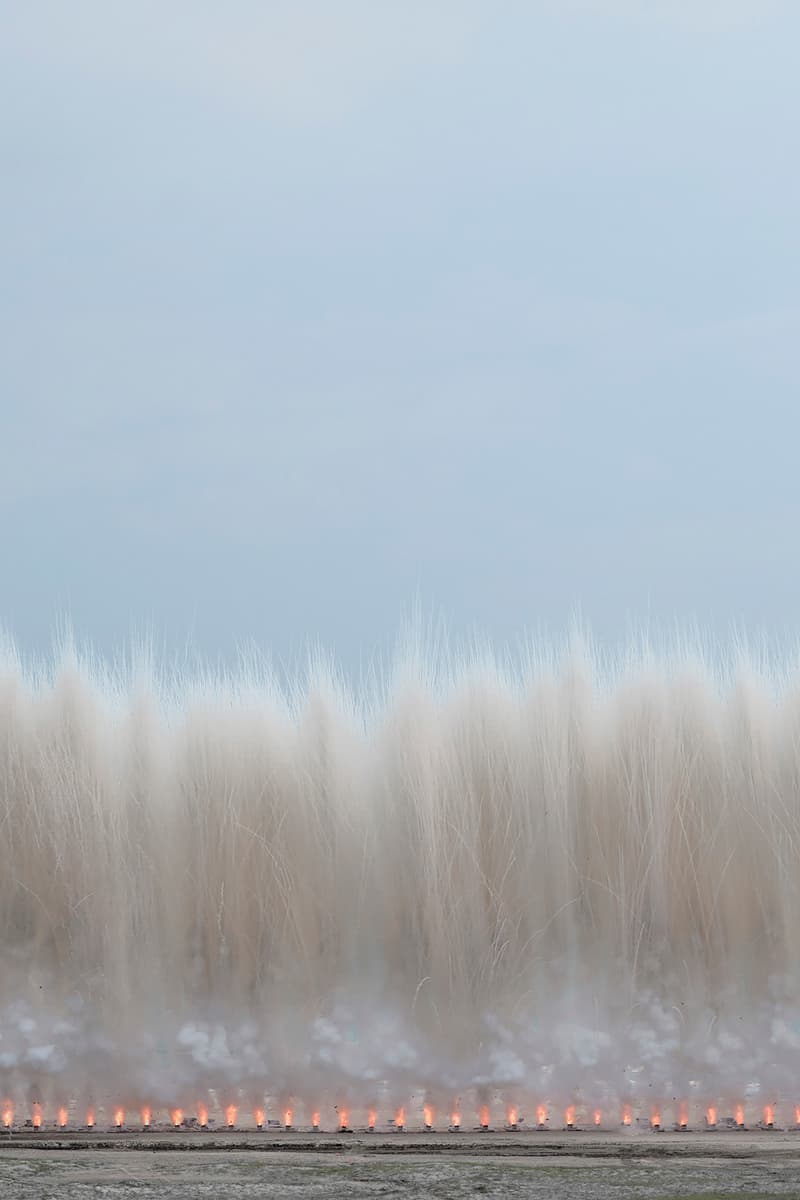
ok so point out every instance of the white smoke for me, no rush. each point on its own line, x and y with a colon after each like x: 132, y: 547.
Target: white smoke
x: 566, y: 883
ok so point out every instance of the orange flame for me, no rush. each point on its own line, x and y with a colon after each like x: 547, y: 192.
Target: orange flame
x: 541, y: 1114
x: 372, y: 1117
x: 655, y: 1119
x: 146, y: 1115
x: 769, y: 1114
x: 287, y: 1118
x: 37, y: 1115
x: 176, y: 1116
x: 711, y: 1115
x: 230, y: 1116
x: 569, y: 1115
x: 258, y: 1117
x: 739, y: 1114
x: 627, y: 1116
x: 343, y: 1116
x: 597, y: 1116
x: 8, y: 1114
x: 315, y: 1120
x: 202, y: 1114
x: 797, y: 1115
x: 483, y: 1115
x: 90, y: 1118
x: 512, y: 1115
x: 63, y: 1117
x: 400, y: 1117
x: 683, y: 1116
x: 119, y: 1117
x: 455, y: 1120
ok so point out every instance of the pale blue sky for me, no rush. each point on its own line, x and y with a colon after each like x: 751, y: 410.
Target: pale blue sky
x: 310, y: 309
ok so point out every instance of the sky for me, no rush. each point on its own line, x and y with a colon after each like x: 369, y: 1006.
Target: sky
x: 314, y: 313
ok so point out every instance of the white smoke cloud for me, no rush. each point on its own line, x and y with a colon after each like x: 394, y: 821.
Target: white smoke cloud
x: 563, y: 887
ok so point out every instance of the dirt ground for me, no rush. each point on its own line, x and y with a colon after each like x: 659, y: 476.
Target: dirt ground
x: 539, y: 1166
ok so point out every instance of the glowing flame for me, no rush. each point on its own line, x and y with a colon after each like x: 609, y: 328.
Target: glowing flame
x: 541, y: 1114
x: 597, y: 1116
x: 258, y: 1117
x: 176, y: 1116
x: 315, y: 1120
x: 202, y: 1114
x: 683, y: 1116
x: 483, y: 1116
x: 711, y: 1115
x: 455, y: 1120
x: 655, y: 1119
x: 627, y: 1116
x: 63, y: 1117
x: 372, y: 1117
x: 230, y: 1116
x: 8, y: 1114
x: 287, y: 1118
x: 797, y: 1115
x: 146, y: 1115
x: 400, y: 1117
x: 90, y: 1118
x: 343, y: 1115
x: 37, y: 1115
x: 569, y: 1115
x: 769, y: 1114
x: 512, y: 1115
x: 119, y: 1117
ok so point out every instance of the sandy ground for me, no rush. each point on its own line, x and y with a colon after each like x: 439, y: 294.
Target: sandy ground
x: 543, y: 1166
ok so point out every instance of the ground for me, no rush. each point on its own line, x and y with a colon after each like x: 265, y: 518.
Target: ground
x: 542, y: 1167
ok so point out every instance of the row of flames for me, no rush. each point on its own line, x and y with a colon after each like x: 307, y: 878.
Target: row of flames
x: 177, y: 1117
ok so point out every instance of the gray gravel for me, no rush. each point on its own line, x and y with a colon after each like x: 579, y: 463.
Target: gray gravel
x: 243, y: 1175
